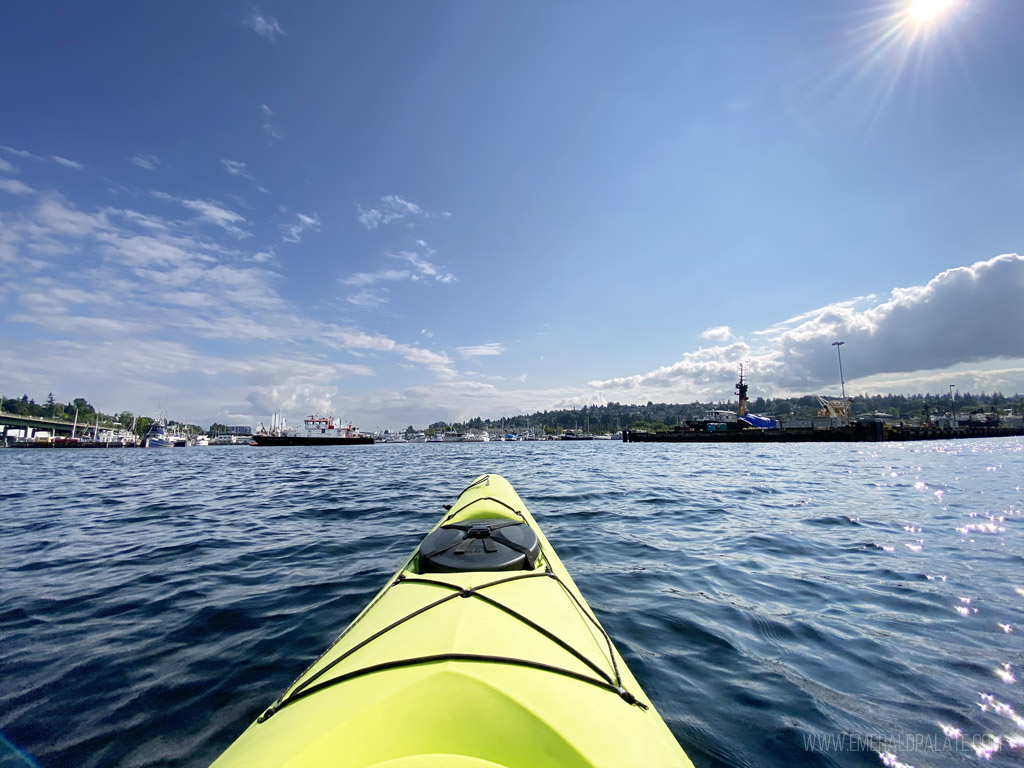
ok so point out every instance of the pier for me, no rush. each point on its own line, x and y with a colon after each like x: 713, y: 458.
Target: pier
x: 872, y: 432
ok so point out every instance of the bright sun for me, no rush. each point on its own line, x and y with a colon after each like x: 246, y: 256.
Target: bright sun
x: 926, y: 10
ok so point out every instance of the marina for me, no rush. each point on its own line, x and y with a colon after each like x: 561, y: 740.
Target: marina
x: 836, y: 419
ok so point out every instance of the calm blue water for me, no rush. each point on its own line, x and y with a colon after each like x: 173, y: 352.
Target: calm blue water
x: 798, y: 605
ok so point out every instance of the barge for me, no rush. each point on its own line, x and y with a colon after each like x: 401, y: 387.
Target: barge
x: 832, y: 425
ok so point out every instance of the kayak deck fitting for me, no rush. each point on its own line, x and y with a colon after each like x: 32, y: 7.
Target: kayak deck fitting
x: 479, y: 651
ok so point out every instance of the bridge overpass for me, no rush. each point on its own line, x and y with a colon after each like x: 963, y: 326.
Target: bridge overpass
x: 14, y: 421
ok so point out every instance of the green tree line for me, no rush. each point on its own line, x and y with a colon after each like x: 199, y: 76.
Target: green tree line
x: 664, y: 416
x: 86, y: 414
x: 597, y: 419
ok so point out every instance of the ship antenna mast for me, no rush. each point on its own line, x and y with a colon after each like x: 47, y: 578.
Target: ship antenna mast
x: 741, y: 390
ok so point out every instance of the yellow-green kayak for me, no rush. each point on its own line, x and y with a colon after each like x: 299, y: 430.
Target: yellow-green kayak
x: 480, y: 651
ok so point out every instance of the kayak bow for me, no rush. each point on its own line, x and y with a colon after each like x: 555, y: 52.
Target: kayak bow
x: 480, y: 651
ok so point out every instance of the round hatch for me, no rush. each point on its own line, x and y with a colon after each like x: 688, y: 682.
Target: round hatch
x: 480, y: 545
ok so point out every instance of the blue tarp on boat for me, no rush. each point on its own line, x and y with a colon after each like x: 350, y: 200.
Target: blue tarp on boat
x: 761, y: 422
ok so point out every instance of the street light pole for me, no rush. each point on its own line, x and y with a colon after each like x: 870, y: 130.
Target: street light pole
x: 842, y: 384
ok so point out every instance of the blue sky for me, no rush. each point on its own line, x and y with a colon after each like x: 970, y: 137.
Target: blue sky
x: 405, y: 212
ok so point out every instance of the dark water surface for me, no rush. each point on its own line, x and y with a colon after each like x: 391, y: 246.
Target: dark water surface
x: 792, y: 605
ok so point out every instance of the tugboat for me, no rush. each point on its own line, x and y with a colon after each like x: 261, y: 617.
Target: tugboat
x: 320, y: 430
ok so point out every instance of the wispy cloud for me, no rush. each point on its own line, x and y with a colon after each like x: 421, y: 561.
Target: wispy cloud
x: 235, y: 167
x: 268, y: 125
x: 292, y: 233
x: 211, y: 212
x: 424, y: 268
x: 482, y: 350
x: 22, y: 153
x: 15, y: 187
x: 264, y: 26
x: 421, y: 269
x: 371, y: 278
x: 368, y: 299
x: 67, y: 163
x: 391, y: 208
x: 107, y: 273
x: 7, y: 167
x: 145, y: 160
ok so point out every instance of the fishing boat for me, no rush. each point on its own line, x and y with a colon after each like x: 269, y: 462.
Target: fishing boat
x: 159, y: 434
x: 479, y: 652
x: 318, y: 430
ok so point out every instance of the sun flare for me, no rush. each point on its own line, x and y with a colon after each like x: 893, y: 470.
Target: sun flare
x: 926, y: 10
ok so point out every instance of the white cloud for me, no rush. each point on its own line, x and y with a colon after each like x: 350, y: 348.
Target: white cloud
x: 966, y: 316
x: 392, y: 208
x: 482, y: 350
x: 438, y: 362
x: 54, y: 217
x: 264, y: 26
x: 22, y: 153
x: 142, y: 219
x: 425, y: 268
x: 171, y: 304
x: 145, y: 160
x: 234, y: 167
x: 67, y: 163
x: 458, y: 399
x: 15, y: 187
x: 7, y: 167
x: 211, y: 212
x: 718, y: 333
x: 368, y: 299
x: 265, y: 257
x: 268, y: 126
x: 292, y: 233
x: 370, y: 278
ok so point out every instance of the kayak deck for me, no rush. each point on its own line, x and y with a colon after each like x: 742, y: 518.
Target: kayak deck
x: 473, y: 668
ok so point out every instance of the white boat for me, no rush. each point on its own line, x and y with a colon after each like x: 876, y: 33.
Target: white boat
x: 115, y: 437
x: 319, y: 430
x: 161, y: 435
x: 200, y: 440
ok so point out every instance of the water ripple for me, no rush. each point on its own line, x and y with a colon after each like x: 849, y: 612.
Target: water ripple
x: 808, y: 605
